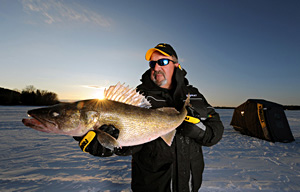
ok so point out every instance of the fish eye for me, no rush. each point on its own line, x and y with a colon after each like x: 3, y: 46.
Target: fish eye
x: 55, y: 114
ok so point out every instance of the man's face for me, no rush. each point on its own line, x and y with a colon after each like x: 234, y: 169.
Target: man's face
x: 162, y: 75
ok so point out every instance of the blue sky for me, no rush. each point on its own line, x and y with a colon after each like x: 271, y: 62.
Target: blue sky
x: 233, y: 50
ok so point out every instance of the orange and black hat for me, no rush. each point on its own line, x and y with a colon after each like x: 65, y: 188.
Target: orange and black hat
x: 163, y: 48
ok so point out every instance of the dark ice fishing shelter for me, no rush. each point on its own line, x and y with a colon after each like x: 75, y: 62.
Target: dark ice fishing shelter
x: 262, y: 119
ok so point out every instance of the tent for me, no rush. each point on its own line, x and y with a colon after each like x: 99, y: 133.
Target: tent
x: 262, y: 119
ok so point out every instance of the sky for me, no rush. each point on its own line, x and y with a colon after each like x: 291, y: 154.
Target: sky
x: 232, y: 50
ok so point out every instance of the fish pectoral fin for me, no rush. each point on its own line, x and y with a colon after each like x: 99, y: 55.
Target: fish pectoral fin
x: 106, y: 140
x: 168, y: 138
x: 168, y: 110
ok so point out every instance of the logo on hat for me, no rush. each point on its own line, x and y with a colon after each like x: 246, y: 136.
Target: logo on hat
x: 160, y: 45
x: 163, y: 48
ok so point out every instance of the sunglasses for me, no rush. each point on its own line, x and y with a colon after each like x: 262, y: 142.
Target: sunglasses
x: 160, y: 62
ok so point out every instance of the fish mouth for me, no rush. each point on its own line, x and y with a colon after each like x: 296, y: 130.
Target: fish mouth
x: 38, y: 123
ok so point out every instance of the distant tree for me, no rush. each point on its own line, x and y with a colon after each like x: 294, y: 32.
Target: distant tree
x: 9, y: 97
x: 32, y: 96
x: 51, y: 98
x: 28, y: 96
x: 29, y: 89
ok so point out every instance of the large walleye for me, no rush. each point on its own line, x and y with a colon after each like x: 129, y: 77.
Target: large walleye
x: 122, y: 107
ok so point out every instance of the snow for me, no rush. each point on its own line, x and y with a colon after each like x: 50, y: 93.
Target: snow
x: 37, y: 161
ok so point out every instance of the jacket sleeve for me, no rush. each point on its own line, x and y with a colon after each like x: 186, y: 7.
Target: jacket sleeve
x: 211, y: 119
x: 214, y: 129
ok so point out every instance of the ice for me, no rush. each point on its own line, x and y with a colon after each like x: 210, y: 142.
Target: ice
x: 37, y: 161
x: 243, y: 163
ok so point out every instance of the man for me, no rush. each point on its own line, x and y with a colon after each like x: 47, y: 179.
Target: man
x: 155, y: 165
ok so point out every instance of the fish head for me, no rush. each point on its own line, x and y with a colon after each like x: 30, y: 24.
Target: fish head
x: 67, y: 119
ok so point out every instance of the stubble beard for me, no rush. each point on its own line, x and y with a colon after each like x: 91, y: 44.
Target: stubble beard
x: 159, y: 83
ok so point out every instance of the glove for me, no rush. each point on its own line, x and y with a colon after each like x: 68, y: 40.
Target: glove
x: 90, y: 144
x: 192, y: 126
x: 194, y: 131
x: 192, y: 115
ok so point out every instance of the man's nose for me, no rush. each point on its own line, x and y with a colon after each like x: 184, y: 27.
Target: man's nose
x: 157, y: 67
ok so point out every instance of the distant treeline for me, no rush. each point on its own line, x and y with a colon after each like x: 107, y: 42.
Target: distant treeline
x: 291, y: 107
x: 285, y: 107
x: 28, y: 96
x: 218, y: 107
x: 32, y: 96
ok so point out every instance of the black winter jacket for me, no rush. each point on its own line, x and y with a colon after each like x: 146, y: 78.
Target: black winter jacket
x: 158, y: 167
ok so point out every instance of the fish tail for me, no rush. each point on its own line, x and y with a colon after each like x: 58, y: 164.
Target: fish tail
x: 187, y: 101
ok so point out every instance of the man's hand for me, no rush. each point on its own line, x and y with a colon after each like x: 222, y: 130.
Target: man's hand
x: 192, y: 115
x: 192, y: 126
x: 194, y: 131
x: 89, y: 143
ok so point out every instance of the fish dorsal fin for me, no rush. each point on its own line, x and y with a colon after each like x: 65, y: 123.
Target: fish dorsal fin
x: 168, y: 138
x: 124, y: 94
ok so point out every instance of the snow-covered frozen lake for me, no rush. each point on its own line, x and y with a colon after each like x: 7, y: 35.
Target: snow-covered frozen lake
x: 36, y: 161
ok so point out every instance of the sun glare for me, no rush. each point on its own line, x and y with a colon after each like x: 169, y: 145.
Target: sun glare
x: 95, y: 92
x: 99, y: 94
